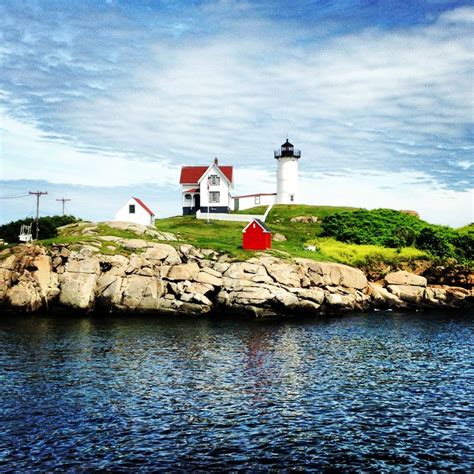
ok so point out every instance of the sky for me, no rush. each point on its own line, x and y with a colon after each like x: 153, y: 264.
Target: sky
x: 106, y: 99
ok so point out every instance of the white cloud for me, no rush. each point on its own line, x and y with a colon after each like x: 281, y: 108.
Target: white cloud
x: 395, y: 102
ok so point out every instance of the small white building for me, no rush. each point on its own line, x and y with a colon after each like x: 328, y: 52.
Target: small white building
x: 252, y: 200
x: 136, y: 211
x: 206, y: 188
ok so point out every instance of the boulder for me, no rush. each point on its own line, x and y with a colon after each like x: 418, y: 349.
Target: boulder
x: 279, y: 237
x: 25, y: 296
x: 140, y: 292
x: 141, y: 230
x: 109, y: 288
x: 201, y: 288
x: 313, y: 294
x: 79, y: 264
x: 383, y: 298
x: 205, y: 277
x: 283, y: 273
x: 134, y: 244
x: 184, y: 271
x: 8, y: 263
x: 43, y: 272
x: 332, y: 274
x: 408, y: 293
x: 251, y: 295
x: 304, y: 219
x: 5, y: 282
x: 162, y: 252
x: 404, y: 278
x: 244, y: 270
x: 78, y: 290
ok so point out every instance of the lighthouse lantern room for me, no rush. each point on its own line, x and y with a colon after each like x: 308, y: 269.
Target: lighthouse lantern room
x: 287, y: 174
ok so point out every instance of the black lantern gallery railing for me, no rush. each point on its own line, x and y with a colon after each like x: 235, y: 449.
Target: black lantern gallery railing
x: 287, y: 152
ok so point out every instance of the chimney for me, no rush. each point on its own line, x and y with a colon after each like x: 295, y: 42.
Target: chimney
x: 216, y: 161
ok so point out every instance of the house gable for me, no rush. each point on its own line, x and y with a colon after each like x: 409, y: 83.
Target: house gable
x: 264, y: 228
x: 217, y: 170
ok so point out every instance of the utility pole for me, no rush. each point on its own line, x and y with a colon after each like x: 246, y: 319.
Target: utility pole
x: 38, y: 194
x: 63, y: 201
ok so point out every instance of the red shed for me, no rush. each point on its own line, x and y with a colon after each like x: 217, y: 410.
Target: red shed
x: 256, y: 236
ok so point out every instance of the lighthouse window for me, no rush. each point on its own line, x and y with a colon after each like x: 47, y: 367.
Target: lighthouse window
x: 214, y: 196
x: 214, y: 180
x: 292, y: 197
x: 257, y: 199
x: 131, y: 208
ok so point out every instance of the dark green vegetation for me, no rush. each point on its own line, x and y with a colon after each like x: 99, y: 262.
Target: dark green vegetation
x: 394, y: 229
x: 47, y: 227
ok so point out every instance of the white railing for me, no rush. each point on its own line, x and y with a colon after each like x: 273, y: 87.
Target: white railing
x: 216, y: 216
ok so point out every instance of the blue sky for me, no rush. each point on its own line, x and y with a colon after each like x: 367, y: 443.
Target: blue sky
x: 101, y: 100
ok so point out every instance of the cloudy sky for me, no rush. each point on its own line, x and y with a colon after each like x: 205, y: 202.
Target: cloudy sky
x: 104, y: 99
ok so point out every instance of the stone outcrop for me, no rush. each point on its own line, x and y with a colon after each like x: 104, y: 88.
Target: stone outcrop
x: 304, y: 219
x: 161, y: 278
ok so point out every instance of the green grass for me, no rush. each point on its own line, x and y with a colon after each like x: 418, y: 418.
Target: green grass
x: 360, y: 255
x: 226, y: 237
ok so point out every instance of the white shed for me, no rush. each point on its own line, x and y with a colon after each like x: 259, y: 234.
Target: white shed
x: 136, y: 211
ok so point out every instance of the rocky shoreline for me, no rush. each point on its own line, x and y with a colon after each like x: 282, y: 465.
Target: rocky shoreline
x: 165, y: 279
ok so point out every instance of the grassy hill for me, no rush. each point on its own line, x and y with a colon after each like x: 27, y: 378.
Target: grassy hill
x: 367, y: 239
x: 227, y: 236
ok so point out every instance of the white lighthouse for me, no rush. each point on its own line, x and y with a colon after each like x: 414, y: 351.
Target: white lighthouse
x: 287, y: 174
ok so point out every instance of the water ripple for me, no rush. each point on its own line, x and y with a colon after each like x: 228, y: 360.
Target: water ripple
x: 377, y: 392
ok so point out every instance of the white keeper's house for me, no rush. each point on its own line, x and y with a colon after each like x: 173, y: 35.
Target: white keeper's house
x: 206, y: 188
x: 136, y: 211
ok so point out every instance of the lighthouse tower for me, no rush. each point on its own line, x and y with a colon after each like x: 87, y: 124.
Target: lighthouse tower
x: 287, y: 174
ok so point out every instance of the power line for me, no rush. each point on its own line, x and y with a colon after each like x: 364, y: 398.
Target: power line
x: 38, y: 194
x: 14, y: 197
x: 63, y: 200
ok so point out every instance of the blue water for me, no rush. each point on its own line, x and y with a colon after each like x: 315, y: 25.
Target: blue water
x: 382, y: 391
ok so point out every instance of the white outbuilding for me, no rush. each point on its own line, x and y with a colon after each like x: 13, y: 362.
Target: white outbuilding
x: 136, y: 211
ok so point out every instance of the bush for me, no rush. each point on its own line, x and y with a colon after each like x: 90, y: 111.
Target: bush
x: 438, y: 241
x: 47, y: 227
x: 384, y: 227
x: 395, y: 229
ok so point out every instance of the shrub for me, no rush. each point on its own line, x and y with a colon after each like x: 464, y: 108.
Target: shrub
x: 47, y: 227
x: 384, y: 227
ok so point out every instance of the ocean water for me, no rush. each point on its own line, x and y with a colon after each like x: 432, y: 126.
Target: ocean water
x: 380, y: 391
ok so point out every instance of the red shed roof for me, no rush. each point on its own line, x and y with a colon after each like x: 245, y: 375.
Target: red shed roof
x: 192, y: 174
x: 264, y: 228
x: 147, y: 209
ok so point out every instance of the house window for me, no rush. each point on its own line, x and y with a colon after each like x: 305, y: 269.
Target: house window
x: 257, y: 199
x: 188, y: 197
x: 131, y: 208
x: 292, y: 197
x: 214, y: 180
x: 214, y: 196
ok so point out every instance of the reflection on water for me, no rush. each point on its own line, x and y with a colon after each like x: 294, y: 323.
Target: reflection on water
x: 376, y: 391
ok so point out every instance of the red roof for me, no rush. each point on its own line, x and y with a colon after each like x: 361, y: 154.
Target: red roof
x: 194, y: 190
x: 192, y: 174
x: 147, y: 209
x: 264, y: 228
